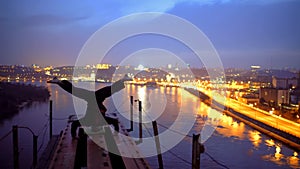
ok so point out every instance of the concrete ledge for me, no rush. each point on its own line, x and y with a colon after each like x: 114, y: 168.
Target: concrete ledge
x: 47, y: 154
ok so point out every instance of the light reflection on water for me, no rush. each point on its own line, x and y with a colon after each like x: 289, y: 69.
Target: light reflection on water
x: 255, y: 138
x: 233, y: 143
x: 231, y: 128
x: 248, y: 147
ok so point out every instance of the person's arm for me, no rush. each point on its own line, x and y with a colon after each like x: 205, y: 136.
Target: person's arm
x: 70, y: 88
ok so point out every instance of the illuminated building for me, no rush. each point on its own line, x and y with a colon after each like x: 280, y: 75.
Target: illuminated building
x: 284, y: 83
x: 274, y: 97
x: 103, y: 66
x: 253, y: 77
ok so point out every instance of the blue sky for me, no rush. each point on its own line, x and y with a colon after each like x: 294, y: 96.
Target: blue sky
x: 244, y: 32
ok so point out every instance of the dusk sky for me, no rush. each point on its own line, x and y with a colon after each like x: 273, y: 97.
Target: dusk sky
x: 244, y: 32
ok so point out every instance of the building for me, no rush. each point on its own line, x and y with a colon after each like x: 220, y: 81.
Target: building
x: 295, y: 93
x: 274, y: 97
x: 284, y: 83
x: 103, y: 66
x: 295, y: 97
x: 253, y: 77
x: 249, y: 99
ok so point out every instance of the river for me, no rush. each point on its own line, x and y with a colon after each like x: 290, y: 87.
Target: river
x: 233, y: 144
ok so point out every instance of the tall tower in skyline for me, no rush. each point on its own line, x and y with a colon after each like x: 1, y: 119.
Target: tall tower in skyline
x: 253, y: 76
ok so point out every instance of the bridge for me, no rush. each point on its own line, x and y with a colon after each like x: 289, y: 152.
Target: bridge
x: 92, y: 151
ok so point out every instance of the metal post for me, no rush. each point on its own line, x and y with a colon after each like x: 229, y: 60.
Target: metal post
x: 140, y: 122
x: 196, y: 152
x: 15, y: 147
x: 159, y: 156
x: 83, y: 138
x: 35, y: 138
x: 131, y: 113
x: 50, y: 119
x: 81, y: 151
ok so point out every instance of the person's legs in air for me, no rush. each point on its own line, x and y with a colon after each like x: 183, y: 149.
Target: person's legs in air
x: 113, y: 121
x: 107, y: 91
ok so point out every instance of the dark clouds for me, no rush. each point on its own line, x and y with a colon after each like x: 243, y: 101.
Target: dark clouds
x: 244, y: 32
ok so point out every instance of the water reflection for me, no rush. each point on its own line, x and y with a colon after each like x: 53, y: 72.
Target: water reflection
x: 233, y: 129
x: 141, y: 93
x: 226, y: 125
x: 270, y: 143
x: 294, y: 160
x: 279, y: 158
x: 255, y: 138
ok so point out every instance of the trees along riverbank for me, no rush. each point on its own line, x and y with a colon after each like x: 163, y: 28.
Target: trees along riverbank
x: 15, y: 96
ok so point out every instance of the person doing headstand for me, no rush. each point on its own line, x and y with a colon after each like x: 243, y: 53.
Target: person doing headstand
x: 94, y: 101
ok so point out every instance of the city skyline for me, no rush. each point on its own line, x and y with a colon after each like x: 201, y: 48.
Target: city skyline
x: 246, y: 33
x: 143, y: 67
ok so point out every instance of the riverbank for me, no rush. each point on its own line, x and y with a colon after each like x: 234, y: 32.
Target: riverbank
x: 15, y: 96
x: 285, y: 137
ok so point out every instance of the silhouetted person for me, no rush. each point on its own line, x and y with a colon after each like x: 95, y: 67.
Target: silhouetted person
x: 94, y: 101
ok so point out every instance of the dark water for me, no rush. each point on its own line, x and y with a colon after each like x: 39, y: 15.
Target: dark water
x: 233, y: 143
